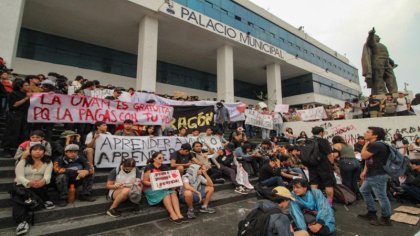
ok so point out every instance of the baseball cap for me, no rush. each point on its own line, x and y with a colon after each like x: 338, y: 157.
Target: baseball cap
x: 240, y: 129
x: 72, y: 147
x: 283, y: 192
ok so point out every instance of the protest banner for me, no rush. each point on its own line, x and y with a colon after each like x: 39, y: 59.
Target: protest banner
x: 282, y: 108
x: 110, y: 149
x: 53, y: 108
x: 101, y: 93
x: 165, y: 179
x: 213, y: 141
x: 317, y: 113
x: 407, y: 126
x: 236, y: 110
x: 193, y: 117
x: 255, y: 118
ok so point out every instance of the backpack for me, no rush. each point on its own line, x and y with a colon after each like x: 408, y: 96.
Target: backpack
x: 343, y: 194
x: 256, y: 222
x: 396, y: 163
x: 309, y: 154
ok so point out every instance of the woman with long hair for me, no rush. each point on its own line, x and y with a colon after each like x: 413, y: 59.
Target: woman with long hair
x: 33, y: 174
x: 347, y: 162
x: 400, y: 143
x: 119, y: 183
x: 169, y: 197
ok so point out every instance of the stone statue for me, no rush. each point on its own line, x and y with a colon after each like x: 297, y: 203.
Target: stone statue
x: 377, y: 67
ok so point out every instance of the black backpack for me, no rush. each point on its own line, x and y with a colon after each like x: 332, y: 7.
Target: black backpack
x: 256, y: 222
x: 309, y: 154
x: 343, y: 194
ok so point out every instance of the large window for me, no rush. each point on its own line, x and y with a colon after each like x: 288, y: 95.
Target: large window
x: 239, y: 17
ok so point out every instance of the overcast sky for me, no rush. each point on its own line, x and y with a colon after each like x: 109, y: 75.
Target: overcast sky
x: 344, y: 25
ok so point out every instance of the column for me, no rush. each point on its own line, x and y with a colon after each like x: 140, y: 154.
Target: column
x: 274, y: 85
x: 225, y: 74
x: 10, y: 24
x: 147, y: 54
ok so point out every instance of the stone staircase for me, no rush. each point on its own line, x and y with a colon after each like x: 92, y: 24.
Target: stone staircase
x: 82, y: 218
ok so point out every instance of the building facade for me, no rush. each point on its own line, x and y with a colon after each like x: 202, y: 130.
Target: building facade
x: 224, y: 49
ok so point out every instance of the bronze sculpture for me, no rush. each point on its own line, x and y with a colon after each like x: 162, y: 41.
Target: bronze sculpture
x: 377, y: 67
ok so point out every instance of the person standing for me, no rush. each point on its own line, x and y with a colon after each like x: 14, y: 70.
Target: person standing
x: 323, y: 174
x: 403, y: 104
x: 347, y: 162
x: 389, y: 105
x: 17, y: 128
x: 222, y: 117
x: 375, y: 154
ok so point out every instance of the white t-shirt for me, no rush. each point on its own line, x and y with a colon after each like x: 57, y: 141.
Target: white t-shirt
x: 401, y: 104
x: 89, y: 137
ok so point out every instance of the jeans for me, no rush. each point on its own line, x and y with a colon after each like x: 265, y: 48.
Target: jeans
x: 272, y: 182
x: 350, y: 171
x: 277, y: 128
x: 412, y: 191
x: 265, y: 133
x: 249, y: 130
x: 221, y: 126
x: 377, y: 184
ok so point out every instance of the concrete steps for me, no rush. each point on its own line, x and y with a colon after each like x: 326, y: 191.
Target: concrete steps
x: 68, y: 220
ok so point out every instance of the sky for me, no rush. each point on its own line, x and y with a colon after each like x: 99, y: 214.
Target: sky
x: 344, y: 25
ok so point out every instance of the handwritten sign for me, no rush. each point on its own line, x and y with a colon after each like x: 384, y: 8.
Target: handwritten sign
x: 255, y: 118
x: 53, y: 108
x: 283, y: 108
x: 111, y: 150
x: 213, y: 141
x: 317, y: 113
x: 165, y: 180
x: 407, y: 126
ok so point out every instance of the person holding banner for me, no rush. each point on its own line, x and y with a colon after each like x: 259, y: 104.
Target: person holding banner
x: 197, y: 187
x: 120, y: 180
x: 182, y: 159
x: 17, y: 128
x: 101, y: 128
x: 167, y: 196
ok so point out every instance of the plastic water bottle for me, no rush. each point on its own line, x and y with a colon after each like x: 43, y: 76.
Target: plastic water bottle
x: 71, y: 194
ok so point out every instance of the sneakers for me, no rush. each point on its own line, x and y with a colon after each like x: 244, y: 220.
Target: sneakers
x: 62, y: 203
x: 49, y: 205
x: 240, y: 190
x: 113, y: 212
x: 191, y: 214
x: 385, y: 221
x: 207, y: 210
x: 22, y: 228
x: 371, y: 217
x: 87, y: 198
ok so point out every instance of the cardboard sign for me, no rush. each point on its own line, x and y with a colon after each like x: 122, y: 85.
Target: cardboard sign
x: 255, y: 118
x: 317, y: 113
x: 283, y: 108
x: 165, y: 180
x: 110, y: 150
x: 59, y: 108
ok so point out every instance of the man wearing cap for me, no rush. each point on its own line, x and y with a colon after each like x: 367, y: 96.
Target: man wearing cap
x: 67, y: 137
x: 127, y: 130
x: 280, y: 221
x: 73, y: 169
x: 403, y: 104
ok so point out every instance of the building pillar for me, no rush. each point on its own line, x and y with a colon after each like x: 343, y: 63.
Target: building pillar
x: 225, y: 79
x: 10, y: 24
x: 147, y: 54
x: 274, y: 85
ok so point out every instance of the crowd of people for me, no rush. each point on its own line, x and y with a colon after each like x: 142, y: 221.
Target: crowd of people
x: 277, y: 162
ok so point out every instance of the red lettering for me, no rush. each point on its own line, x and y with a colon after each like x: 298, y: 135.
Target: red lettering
x: 46, y: 101
x: 41, y: 113
x: 122, y: 105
